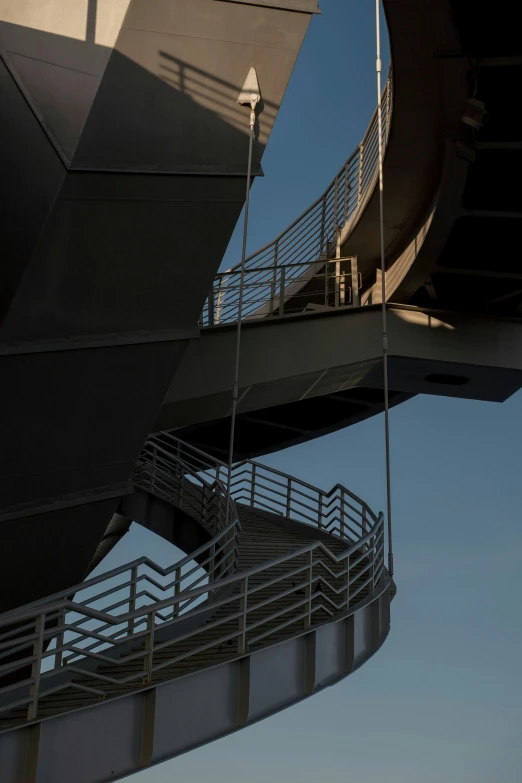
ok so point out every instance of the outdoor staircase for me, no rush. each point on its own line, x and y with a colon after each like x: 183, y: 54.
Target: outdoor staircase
x: 271, y: 584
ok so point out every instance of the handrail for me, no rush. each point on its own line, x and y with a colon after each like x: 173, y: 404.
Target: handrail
x: 313, y: 237
x: 7, y: 618
x: 83, y: 634
x: 196, y: 592
x: 256, y: 485
x: 48, y: 619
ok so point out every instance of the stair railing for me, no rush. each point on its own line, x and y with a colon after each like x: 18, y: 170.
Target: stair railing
x: 144, y: 615
x: 338, y: 511
x: 293, y: 270
x: 305, y: 588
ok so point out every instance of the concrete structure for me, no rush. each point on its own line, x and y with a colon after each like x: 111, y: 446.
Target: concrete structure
x: 303, y: 376
x: 121, y: 142
x: 452, y: 218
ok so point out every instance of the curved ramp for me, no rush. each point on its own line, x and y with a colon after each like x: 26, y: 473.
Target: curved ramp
x: 172, y: 664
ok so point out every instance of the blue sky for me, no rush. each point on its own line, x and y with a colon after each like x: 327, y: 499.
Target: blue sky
x: 442, y: 700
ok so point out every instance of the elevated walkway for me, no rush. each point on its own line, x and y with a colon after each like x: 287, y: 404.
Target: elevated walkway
x: 450, y: 263
x: 143, y: 663
x: 305, y: 376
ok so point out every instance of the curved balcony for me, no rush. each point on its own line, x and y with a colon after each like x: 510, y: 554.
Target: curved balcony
x: 292, y: 581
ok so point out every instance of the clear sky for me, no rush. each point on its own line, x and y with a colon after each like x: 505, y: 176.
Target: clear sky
x: 442, y: 700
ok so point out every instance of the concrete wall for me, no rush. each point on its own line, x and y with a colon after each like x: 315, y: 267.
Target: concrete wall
x: 123, y: 154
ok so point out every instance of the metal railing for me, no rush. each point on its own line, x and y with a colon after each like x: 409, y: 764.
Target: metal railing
x: 174, y: 474
x: 289, y: 264
x: 337, y: 511
x: 137, y: 627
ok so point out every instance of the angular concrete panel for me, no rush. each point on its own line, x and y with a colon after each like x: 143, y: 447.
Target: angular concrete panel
x: 119, y: 259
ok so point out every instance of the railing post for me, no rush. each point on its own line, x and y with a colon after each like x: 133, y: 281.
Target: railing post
x: 288, y: 496
x: 211, y: 306
x: 180, y: 490
x: 323, y: 237
x: 58, y: 658
x: 308, y: 616
x: 336, y: 203
x: 274, y: 277
x: 243, y: 608
x: 338, y: 268
x: 388, y: 105
x: 326, y: 292
x: 34, y: 691
x: 346, y: 193
x: 149, y: 647
x: 177, y: 590
x: 219, y: 300
x: 356, y: 299
x: 253, y: 486
x: 320, y: 513
x: 341, y: 514
x: 132, y: 598
x: 347, y: 582
x: 359, y: 186
x: 281, y: 290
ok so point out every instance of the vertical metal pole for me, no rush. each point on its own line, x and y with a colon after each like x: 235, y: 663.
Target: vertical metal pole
x: 346, y: 193
x: 356, y: 299
x: 341, y: 514
x: 58, y: 658
x: 308, y: 616
x: 359, y: 184
x: 177, y: 590
x: 282, y: 291
x: 336, y: 203
x: 149, y: 647
x: 274, y: 277
x: 253, y: 486
x: 34, y: 691
x: 132, y: 598
x: 323, y: 239
x: 243, y: 608
x: 338, y: 268
x: 235, y: 386
x: 326, y: 283
x: 383, y: 293
x: 219, y: 299
x: 288, y: 498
